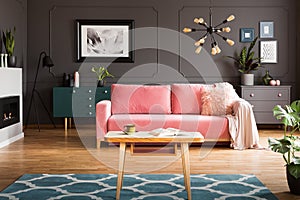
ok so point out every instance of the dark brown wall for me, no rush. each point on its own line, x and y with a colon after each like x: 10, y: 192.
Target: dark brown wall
x: 51, y: 27
x: 13, y: 13
x: 298, y: 49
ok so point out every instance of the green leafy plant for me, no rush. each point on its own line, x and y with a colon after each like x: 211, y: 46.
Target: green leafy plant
x: 246, y: 60
x: 289, y: 144
x: 9, y: 41
x: 101, y: 73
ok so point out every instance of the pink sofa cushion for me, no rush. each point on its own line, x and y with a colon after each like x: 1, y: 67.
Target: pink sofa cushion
x: 141, y: 99
x: 218, y: 99
x: 211, y: 127
x: 186, y: 98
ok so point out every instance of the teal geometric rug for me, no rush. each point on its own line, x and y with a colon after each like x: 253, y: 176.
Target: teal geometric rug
x: 136, y: 186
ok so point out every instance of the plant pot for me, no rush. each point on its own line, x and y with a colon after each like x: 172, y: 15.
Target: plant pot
x: 100, y: 83
x: 12, y: 61
x: 294, y: 184
x: 247, y: 79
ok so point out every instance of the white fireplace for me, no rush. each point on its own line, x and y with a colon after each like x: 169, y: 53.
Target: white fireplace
x: 11, y: 99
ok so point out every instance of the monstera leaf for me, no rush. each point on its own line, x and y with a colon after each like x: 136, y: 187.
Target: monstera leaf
x: 280, y: 145
x: 294, y: 170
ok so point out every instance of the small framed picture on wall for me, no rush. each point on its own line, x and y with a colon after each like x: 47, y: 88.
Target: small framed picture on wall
x: 246, y: 34
x: 268, y: 51
x: 266, y: 29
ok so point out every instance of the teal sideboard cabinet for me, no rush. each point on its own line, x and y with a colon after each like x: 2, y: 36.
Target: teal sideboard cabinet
x: 71, y: 102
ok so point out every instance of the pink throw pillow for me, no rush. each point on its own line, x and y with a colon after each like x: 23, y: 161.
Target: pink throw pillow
x: 218, y: 99
x: 186, y: 98
x: 140, y: 99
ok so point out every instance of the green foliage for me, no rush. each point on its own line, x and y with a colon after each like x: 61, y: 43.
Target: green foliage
x: 294, y: 169
x: 101, y: 73
x: 289, y: 144
x: 246, y: 60
x: 9, y: 41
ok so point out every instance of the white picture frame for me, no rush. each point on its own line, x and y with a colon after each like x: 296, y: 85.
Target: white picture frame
x: 268, y: 51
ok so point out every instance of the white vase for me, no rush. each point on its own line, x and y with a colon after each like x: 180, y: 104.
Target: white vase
x: 247, y: 79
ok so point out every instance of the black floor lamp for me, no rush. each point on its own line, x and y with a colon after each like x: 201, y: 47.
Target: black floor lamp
x: 47, y: 62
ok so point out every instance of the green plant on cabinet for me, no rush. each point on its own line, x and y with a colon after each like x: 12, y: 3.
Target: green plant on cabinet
x: 9, y: 41
x: 246, y: 60
x: 101, y: 74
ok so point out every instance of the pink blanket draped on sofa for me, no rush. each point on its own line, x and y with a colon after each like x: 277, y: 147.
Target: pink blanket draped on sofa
x: 242, y: 126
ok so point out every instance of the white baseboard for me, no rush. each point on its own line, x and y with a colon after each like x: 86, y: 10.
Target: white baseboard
x: 11, y: 140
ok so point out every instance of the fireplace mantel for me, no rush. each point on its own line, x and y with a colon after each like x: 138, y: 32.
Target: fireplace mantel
x: 11, y: 85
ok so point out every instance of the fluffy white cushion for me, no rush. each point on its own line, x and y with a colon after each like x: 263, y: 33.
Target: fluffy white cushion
x: 218, y: 99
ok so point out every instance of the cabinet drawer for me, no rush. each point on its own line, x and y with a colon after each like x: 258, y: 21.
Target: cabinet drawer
x: 62, y: 102
x: 83, y: 110
x: 265, y: 118
x: 266, y: 106
x: 266, y: 94
x: 102, y: 93
x: 264, y: 99
x: 77, y: 102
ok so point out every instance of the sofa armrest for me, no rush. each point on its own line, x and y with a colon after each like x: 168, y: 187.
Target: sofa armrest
x: 103, y: 112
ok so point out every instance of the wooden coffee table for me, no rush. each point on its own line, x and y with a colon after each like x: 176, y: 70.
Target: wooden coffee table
x: 183, y: 138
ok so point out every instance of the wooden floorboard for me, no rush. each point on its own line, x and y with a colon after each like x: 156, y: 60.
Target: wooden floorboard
x: 49, y: 151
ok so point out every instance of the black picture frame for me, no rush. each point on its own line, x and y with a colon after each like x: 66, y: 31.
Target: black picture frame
x: 106, y: 40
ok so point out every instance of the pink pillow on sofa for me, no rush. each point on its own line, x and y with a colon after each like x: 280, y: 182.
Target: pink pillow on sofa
x: 186, y: 98
x: 218, y: 99
x: 140, y: 99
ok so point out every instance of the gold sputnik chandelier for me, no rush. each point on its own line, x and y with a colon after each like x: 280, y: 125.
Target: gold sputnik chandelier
x: 211, y: 31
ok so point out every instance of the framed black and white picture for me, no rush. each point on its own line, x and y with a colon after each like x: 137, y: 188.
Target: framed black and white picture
x: 268, y: 51
x: 266, y: 29
x: 105, y: 40
x: 246, y: 34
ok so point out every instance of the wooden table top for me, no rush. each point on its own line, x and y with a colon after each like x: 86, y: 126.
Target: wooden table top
x: 146, y: 137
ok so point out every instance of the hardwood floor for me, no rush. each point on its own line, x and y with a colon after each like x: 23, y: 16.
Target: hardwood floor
x: 49, y: 151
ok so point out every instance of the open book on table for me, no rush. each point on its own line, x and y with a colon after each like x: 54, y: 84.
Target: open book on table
x: 165, y: 132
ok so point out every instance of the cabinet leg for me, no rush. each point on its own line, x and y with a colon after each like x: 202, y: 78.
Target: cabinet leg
x: 66, y: 126
x: 70, y: 122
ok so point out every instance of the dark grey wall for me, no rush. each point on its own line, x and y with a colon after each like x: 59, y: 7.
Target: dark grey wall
x: 298, y: 48
x: 13, y: 13
x: 51, y: 27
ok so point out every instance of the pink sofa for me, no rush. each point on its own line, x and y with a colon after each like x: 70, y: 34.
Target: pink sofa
x: 159, y: 106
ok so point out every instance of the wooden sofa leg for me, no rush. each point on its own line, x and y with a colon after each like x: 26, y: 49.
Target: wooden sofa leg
x: 98, y: 143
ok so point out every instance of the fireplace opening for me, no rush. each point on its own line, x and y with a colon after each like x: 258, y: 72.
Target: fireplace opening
x: 9, y: 111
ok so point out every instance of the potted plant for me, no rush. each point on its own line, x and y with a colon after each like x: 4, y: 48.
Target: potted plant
x: 290, y: 143
x: 247, y: 63
x: 9, y: 43
x: 101, y: 73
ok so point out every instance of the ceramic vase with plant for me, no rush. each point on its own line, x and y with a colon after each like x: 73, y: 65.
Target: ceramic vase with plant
x: 289, y: 145
x: 9, y: 44
x: 247, y: 63
x: 101, y: 73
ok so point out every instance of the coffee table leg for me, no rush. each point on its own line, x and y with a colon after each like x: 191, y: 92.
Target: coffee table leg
x: 122, y: 154
x: 186, y: 168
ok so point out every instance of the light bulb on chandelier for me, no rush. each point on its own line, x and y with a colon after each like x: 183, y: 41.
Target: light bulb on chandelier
x: 211, y: 31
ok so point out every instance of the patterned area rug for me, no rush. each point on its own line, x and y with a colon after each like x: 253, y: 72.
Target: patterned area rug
x: 136, y: 186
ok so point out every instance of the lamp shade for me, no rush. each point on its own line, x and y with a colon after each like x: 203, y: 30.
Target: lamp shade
x: 47, y: 61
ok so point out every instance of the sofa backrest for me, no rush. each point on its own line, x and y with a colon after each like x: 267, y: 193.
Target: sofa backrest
x: 141, y: 99
x: 186, y: 98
